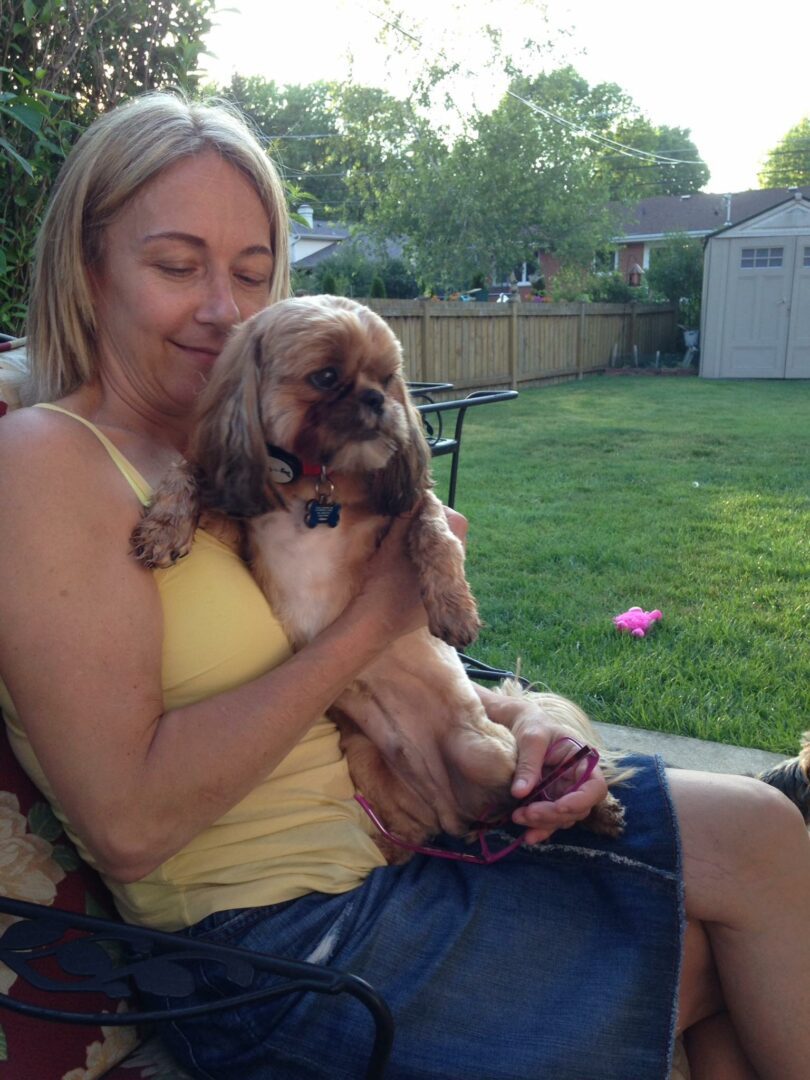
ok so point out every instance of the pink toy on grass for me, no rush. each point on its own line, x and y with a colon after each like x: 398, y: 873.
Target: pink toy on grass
x: 636, y: 621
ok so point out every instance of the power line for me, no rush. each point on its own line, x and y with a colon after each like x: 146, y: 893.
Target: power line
x: 579, y: 128
x: 624, y: 151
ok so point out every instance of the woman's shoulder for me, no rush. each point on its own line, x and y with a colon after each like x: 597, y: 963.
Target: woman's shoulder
x: 33, y: 436
x: 46, y: 455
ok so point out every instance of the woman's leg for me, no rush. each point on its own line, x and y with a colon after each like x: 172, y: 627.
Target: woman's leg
x: 747, y: 881
x: 714, y: 1051
x: 712, y: 1046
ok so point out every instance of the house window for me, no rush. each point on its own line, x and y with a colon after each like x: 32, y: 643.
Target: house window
x: 761, y: 258
x: 604, y: 261
x: 806, y: 257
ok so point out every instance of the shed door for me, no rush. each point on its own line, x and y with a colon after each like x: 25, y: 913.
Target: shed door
x: 798, y: 344
x: 758, y: 313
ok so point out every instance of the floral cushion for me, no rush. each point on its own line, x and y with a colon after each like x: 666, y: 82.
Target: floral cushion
x: 150, y: 1061
x: 39, y: 864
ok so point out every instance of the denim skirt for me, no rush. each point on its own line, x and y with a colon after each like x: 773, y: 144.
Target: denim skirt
x: 560, y: 962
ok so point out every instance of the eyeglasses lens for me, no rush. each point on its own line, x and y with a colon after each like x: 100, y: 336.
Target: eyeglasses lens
x: 563, y: 770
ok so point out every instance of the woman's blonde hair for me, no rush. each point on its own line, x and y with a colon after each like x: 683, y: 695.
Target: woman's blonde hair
x: 112, y: 160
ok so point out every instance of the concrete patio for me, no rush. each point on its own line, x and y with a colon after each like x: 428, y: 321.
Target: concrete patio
x: 687, y: 753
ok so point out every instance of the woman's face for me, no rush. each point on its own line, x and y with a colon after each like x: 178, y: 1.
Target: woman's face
x: 187, y: 258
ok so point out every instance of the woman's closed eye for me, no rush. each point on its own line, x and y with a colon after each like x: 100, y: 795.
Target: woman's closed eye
x: 173, y: 270
x: 253, y: 281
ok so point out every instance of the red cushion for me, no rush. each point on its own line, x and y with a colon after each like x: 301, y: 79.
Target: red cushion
x: 38, y: 863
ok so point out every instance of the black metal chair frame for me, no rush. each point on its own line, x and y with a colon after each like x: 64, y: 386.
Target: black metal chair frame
x: 433, y: 419
x: 95, y: 955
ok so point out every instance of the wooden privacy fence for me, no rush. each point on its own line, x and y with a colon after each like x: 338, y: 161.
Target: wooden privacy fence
x: 475, y: 345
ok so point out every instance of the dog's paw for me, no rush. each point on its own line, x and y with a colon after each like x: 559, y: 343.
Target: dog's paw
x: 157, y: 545
x: 607, y: 817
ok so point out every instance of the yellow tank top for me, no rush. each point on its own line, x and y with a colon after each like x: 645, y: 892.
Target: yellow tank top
x: 298, y: 831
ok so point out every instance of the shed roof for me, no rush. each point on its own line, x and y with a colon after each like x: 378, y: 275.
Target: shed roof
x: 790, y: 216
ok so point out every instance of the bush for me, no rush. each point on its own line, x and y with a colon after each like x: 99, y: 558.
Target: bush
x: 572, y: 284
x: 328, y: 283
x: 351, y: 272
x: 676, y: 273
x: 60, y: 66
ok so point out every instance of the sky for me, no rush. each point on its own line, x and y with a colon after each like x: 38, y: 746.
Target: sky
x: 738, y: 81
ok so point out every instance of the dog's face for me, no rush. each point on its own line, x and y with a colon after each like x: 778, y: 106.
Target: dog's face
x: 321, y: 378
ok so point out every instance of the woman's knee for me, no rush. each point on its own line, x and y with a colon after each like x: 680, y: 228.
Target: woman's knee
x: 738, y: 835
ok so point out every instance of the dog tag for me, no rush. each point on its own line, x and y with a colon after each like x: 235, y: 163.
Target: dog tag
x: 285, y: 468
x: 322, y: 513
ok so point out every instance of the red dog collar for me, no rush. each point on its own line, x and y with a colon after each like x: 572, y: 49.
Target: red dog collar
x: 286, y: 468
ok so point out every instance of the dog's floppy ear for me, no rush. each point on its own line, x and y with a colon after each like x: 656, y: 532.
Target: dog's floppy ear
x: 228, y: 446
x: 396, y: 488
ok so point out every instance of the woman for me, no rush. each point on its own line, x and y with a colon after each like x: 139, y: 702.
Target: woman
x: 165, y: 719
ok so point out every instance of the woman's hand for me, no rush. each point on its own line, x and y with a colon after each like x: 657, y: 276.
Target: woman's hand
x: 392, y: 590
x: 457, y: 522
x: 534, y: 733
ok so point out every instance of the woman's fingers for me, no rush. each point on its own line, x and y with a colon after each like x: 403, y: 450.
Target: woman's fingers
x: 543, y: 818
x: 457, y: 522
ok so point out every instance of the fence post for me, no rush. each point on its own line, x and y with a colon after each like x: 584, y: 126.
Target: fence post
x: 633, y: 328
x: 423, y: 365
x: 581, y: 339
x: 513, y: 344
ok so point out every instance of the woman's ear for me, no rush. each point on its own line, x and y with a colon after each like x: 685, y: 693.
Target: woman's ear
x: 228, y: 445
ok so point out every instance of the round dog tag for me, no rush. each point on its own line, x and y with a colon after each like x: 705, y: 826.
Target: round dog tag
x: 284, y: 467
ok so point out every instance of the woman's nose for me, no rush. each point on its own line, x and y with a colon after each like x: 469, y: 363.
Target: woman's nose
x: 218, y: 303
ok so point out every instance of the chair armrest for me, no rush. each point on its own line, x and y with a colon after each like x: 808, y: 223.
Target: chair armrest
x: 441, y: 444
x: 58, y: 951
x: 477, y: 669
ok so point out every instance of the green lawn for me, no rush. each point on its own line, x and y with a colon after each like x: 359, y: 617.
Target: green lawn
x: 676, y: 493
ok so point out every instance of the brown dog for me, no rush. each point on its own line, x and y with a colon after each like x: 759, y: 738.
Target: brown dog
x: 306, y: 432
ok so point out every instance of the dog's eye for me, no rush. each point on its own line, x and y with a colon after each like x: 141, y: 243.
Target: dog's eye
x: 325, y: 379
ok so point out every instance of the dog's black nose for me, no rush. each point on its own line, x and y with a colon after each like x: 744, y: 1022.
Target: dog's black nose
x: 374, y: 399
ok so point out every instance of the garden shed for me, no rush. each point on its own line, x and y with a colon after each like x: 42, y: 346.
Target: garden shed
x: 756, y: 296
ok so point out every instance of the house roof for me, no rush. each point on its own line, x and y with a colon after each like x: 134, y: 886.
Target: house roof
x: 319, y: 230
x: 316, y: 258
x: 699, y: 214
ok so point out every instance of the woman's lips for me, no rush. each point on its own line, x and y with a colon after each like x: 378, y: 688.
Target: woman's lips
x: 201, y: 354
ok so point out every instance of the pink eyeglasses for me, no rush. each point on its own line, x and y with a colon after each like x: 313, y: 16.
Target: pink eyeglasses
x: 568, y: 765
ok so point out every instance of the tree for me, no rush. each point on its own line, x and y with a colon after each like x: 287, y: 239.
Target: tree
x: 632, y: 177
x: 337, y: 141
x: 515, y: 181
x: 676, y: 274
x: 788, y: 164
x: 300, y: 124
x: 61, y: 64
x: 480, y: 195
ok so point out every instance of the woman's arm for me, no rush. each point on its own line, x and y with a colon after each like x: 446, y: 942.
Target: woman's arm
x: 534, y: 733
x: 81, y: 650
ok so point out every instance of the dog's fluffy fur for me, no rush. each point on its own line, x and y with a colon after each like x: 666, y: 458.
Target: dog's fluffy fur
x: 321, y: 378
x: 792, y: 777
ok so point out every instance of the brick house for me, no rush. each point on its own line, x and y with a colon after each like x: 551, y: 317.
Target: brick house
x: 651, y: 221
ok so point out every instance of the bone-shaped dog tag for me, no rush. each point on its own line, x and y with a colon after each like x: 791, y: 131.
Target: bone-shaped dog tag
x: 322, y: 513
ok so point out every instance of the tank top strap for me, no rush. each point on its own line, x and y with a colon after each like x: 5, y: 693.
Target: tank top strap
x: 141, y: 488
